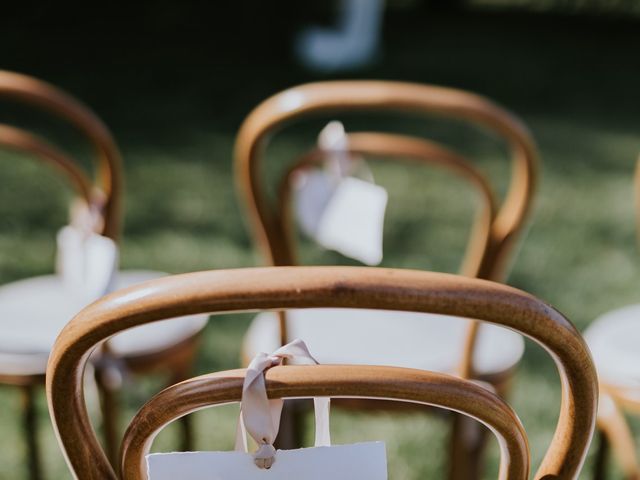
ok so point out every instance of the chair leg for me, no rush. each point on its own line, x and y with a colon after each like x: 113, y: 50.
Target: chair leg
x: 109, y: 409
x: 600, y: 465
x: 182, y: 371
x: 614, y: 427
x: 186, y: 442
x: 186, y: 424
x: 291, y: 433
x: 30, y: 429
x: 468, y: 441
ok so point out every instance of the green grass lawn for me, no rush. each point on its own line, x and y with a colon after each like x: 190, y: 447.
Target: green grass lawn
x: 175, y: 110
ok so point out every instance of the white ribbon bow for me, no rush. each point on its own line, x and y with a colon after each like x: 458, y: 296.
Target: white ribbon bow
x: 261, y: 416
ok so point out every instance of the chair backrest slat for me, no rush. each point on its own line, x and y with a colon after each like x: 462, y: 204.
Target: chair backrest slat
x: 389, y: 383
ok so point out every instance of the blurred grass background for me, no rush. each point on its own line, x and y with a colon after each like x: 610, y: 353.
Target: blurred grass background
x: 174, y: 81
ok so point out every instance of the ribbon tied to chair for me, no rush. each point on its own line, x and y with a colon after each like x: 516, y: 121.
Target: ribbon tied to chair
x: 260, y: 416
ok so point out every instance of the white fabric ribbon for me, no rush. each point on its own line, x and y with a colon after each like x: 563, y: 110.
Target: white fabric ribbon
x: 86, y: 260
x: 260, y: 416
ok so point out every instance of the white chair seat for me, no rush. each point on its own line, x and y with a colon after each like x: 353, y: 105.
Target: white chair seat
x: 33, y: 311
x: 614, y: 340
x: 381, y: 337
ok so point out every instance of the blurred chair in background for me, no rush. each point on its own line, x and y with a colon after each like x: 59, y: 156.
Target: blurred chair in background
x: 614, y: 339
x: 34, y: 310
x: 335, y: 287
x: 392, y: 338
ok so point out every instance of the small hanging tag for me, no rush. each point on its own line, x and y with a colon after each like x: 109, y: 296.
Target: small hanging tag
x: 313, y: 192
x: 314, y: 188
x: 353, y: 221
x: 340, y: 206
x: 85, y: 260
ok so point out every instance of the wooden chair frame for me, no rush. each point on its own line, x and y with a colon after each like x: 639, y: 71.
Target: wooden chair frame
x: 613, y: 428
x: 488, y: 251
x: 105, y: 198
x: 28, y: 90
x: 389, y: 383
x: 320, y: 287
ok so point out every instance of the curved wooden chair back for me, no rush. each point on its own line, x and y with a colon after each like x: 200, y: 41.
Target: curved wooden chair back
x: 340, y: 96
x: 316, y: 287
x: 105, y: 196
x: 389, y: 383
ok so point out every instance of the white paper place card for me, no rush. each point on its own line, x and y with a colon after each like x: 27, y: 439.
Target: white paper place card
x: 359, y: 461
x: 314, y: 188
x: 313, y: 191
x: 87, y: 262
x: 353, y: 221
x: 340, y: 206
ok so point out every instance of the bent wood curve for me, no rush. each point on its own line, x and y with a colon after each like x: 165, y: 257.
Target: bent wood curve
x: 28, y: 90
x: 25, y: 142
x: 350, y: 381
x: 314, y: 287
x: 324, y: 97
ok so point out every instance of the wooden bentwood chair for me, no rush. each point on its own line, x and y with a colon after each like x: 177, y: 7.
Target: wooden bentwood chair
x: 278, y: 288
x: 456, y: 347
x: 34, y: 310
x: 614, y: 338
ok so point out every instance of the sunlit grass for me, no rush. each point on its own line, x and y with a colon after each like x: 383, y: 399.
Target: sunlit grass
x: 182, y: 212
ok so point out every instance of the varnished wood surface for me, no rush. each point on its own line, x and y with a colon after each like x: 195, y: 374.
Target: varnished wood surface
x: 333, y: 287
x: 344, y: 96
x: 416, y: 386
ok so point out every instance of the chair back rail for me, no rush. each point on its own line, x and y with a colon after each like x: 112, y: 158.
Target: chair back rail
x: 316, y: 287
x: 25, y: 142
x: 28, y: 90
x: 415, y: 386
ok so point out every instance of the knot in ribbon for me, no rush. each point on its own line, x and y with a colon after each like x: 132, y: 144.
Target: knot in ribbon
x: 260, y: 416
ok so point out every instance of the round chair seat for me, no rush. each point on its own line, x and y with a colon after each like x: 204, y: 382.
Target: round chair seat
x: 382, y: 337
x: 614, y: 340
x: 34, y: 311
